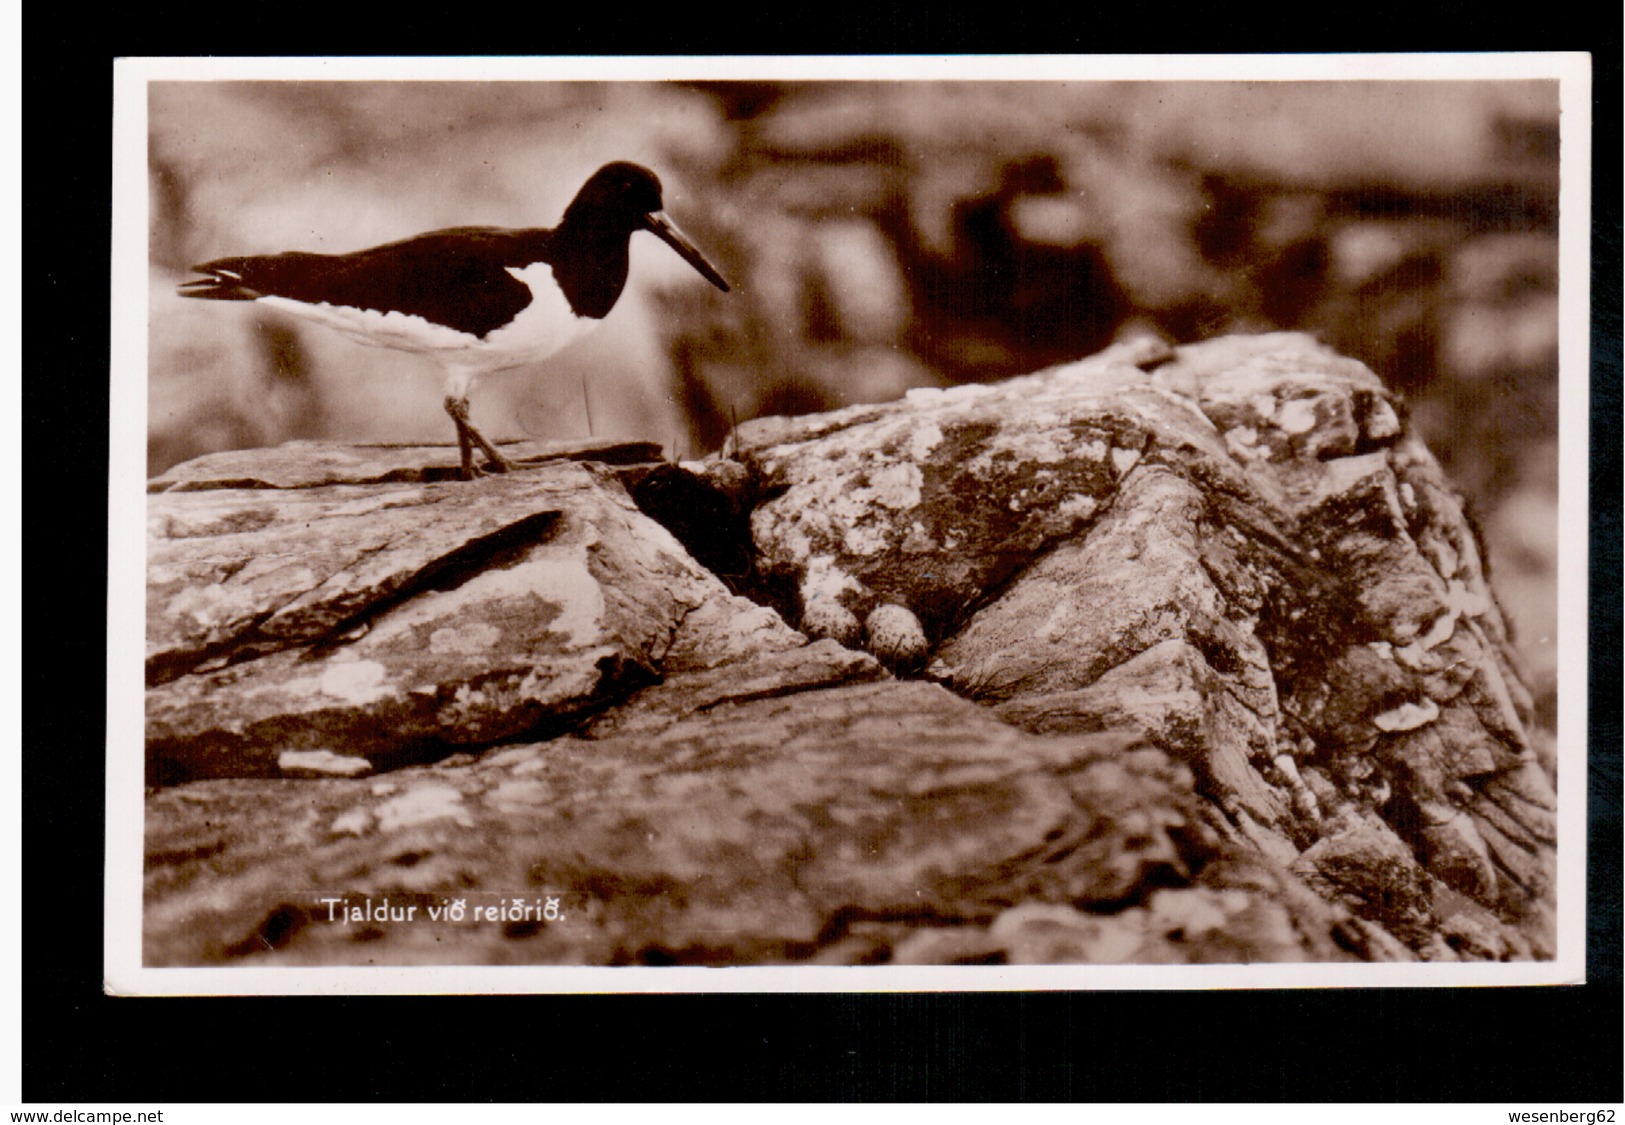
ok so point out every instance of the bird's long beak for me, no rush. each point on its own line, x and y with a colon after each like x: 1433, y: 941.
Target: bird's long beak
x: 664, y: 229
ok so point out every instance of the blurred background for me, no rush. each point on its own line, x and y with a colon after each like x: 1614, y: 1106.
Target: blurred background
x: 889, y: 235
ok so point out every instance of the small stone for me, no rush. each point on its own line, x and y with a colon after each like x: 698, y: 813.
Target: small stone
x: 352, y: 822
x: 896, y: 638
x: 1407, y: 716
x: 1303, y: 799
x: 321, y: 763
x: 1381, y: 424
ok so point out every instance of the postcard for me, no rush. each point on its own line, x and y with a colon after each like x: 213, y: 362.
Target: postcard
x: 848, y: 524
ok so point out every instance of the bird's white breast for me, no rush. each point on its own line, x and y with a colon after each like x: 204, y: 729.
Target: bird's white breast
x: 544, y: 326
x: 541, y: 328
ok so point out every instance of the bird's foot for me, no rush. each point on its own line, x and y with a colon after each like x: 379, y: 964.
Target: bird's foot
x: 472, y: 471
x: 468, y: 437
x: 469, y: 470
x: 494, y: 461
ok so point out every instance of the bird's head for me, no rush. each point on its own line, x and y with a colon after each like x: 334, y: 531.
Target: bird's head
x: 624, y: 197
x: 620, y: 190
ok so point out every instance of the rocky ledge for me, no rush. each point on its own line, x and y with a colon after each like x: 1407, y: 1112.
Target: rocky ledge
x: 1167, y: 655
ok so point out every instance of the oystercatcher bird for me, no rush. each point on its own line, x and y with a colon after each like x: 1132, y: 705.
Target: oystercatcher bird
x: 476, y: 299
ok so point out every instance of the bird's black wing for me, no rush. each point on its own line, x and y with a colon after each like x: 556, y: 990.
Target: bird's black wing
x: 458, y: 277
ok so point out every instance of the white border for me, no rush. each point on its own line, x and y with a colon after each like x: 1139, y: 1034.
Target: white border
x: 127, y: 505
x: 912, y: 68
x: 11, y: 678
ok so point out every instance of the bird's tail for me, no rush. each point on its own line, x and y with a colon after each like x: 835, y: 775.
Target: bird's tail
x: 220, y: 283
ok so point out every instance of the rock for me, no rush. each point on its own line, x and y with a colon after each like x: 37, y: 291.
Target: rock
x: 1231, y: 686
x: 1364, y: 865
x: 310, y: 464
x: 1193, y: 925
x: 1239, y: 553
x: 932, y: 502
x: 835, y: 824
x: 393, y: 622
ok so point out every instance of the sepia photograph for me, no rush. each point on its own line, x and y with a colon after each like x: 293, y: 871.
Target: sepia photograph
x: 861, y: 524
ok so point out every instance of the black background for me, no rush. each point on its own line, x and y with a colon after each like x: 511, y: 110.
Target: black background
x: 1529, y: 1045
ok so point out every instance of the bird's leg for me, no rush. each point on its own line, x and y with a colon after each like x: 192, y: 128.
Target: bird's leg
x: 467, y: 434
x: 458, y: 409
x: 495, y: 461
x: 465, y: 450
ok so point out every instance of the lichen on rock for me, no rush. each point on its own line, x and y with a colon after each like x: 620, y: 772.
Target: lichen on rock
x: 1239, y: 553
